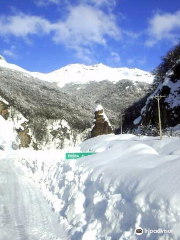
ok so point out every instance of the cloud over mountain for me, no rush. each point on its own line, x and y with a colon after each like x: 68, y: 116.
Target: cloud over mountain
x: 163, y: 26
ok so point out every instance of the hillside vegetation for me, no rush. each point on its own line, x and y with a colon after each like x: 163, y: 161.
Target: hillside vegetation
x: 37, y: 99
x: 114, y: 97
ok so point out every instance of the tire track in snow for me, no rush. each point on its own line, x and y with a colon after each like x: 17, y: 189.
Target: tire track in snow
x: 24, y: 213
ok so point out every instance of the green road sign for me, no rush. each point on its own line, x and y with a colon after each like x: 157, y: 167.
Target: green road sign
x: 78, y: 155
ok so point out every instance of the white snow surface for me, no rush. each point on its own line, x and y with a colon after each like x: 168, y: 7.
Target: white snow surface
x: 173, y: 99
x: 130, y: 182
x: 99, y: 108
x: 7, y: 135
x: 24, y: 213
x: 5, y: 64
x: 79, y: 73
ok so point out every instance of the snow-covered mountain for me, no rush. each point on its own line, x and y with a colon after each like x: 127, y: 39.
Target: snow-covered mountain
x: 114, y: 88
x: 79, y: 73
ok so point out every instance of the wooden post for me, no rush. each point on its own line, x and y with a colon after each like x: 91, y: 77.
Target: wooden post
x: 121, y: 122
x: 158, y: 98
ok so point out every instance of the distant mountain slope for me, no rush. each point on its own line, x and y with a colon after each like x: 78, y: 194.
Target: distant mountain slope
x: 114, y: 97
x: 34, y: 97
x: 79, y: 73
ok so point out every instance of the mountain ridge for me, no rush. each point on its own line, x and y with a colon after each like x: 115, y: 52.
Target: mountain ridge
x: 80, y: 73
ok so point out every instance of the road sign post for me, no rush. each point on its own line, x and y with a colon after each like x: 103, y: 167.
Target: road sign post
x: 76, y: 155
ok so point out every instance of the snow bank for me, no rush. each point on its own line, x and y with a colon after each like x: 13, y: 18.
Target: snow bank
x: 130, y: 182
x: 7, y: 135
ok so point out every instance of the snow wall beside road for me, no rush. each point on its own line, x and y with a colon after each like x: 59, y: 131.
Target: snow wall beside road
x: 130, y: 182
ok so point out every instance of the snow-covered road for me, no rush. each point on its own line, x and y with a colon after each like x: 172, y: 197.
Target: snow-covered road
x: 24, y: 213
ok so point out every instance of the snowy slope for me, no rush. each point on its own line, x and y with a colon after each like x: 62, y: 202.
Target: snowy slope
x: 130, y: 182
x: 79, y: 73
x: 5, y: 64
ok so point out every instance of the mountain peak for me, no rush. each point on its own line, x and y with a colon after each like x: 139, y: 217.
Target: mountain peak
x: 81, y: 65
x: 98, y: 65
x: 2, y: 58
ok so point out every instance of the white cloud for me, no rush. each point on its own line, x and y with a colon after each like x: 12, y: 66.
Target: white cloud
x: 46, y: 2
x: 55, y: 1
x: 131, y: 61
x: 9, y: 53
x: 84, y: 54
x: 101, y: 3
x: 97, y: 3
x: 115, y: 57
x: 86, y: 25
x: 131, y: 34
x: 135, y: 61
x: 163, y: 26
x: 22, y: 25
x: 83, y: 27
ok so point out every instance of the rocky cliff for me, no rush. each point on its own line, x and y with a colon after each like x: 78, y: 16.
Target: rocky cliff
x: 101, y: 123
x: 169, y: 89
x: 51, y: 133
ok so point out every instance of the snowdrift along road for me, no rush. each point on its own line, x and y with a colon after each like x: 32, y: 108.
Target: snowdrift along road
x: 130, y: 182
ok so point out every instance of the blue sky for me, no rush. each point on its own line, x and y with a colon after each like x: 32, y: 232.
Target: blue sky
x: 44, y: 35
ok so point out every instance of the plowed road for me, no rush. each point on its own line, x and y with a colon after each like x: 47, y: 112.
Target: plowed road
x: 24, y: 213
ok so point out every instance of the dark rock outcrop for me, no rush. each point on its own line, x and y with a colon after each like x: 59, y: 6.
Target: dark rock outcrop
x: 101, y: 123
x: 4, y: 110
x: 24, y: 136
